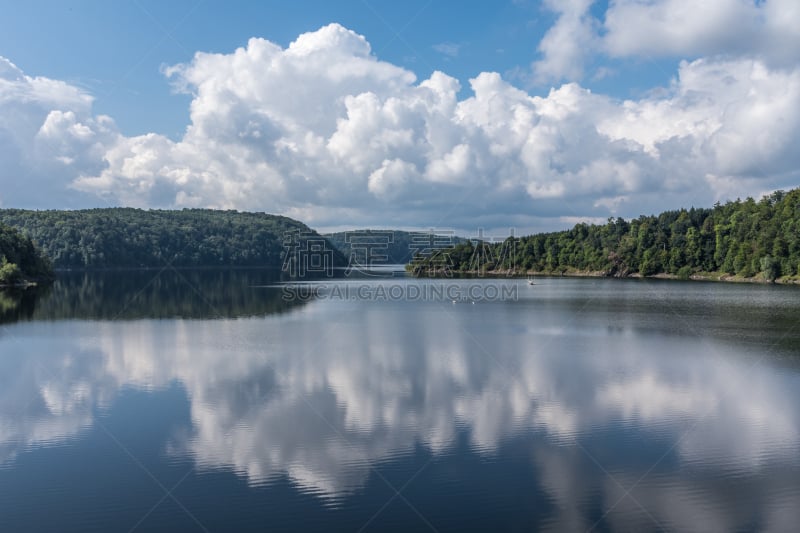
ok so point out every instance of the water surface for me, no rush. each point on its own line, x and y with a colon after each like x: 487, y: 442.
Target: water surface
x: 208, y: 401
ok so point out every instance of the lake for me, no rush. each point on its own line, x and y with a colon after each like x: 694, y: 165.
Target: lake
x: 227, y: 401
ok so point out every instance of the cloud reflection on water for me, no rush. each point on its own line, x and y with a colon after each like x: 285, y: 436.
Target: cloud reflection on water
x: 323, y: 394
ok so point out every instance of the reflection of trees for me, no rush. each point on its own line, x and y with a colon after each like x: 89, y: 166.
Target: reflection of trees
x: 149, y: 294
x: 8, y: 303
x: 18, y: 304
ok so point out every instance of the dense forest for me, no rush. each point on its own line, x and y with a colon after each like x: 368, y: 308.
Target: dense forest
x: 20, y: 261
x: 741, y: 238
x: 388, y: 247
x: 136, y: 238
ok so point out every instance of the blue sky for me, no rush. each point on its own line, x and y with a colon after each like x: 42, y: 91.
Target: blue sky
x: 115, y: 50
x: 522, y: 114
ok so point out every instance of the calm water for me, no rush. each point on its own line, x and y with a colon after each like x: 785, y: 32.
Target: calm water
x: 208, y: 402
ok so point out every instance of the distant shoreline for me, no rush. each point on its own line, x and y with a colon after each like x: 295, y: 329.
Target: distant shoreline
x: 162, y: 267
x: 718, y: 277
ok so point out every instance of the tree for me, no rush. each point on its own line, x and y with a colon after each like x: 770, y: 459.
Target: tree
x: 10, y: 273
x: 769, y: 268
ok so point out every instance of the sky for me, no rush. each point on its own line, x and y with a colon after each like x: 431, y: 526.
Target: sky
x: 518, y: 115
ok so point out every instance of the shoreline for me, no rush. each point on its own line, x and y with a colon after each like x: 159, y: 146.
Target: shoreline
x: 716, y: 277
x: 21, y: 285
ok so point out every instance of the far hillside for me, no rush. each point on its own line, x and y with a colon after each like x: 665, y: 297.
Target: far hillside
x: 134, y: 238
x: 389, y: 247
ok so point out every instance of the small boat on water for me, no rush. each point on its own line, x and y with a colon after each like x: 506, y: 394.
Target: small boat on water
x: 531, y: 280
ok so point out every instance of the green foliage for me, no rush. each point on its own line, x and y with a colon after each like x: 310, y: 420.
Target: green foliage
x: 135, y: 238
x: 19, y: 259
x: 685, y: 272
x: 770, y: 268
x: 741, y: 237
x: 10, y: 273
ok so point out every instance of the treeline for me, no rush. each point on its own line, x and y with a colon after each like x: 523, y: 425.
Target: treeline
x: 136, y: 238
x: 20, y: 261
x: 743, y: 238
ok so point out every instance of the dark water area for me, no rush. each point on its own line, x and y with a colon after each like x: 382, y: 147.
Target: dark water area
x: 232, y: 401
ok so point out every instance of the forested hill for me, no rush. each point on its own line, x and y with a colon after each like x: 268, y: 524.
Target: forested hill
x: 383, y: 247
x: 20, y: 261
x: 136, y: 238
x: 743, y: 238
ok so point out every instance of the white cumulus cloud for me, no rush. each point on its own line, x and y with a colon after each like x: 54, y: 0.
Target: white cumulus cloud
x: 768, y: 29
x: 566, y: 45
x: 324, y: 131
x: 47, y: 136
